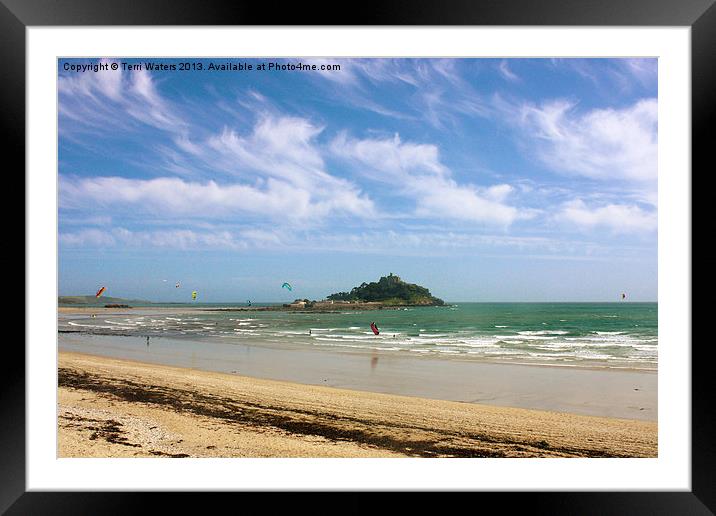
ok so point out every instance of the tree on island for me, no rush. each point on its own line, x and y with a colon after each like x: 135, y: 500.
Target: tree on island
x: 389, y: 290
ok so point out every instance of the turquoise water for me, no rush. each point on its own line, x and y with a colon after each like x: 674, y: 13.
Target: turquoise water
x: 607, y: 334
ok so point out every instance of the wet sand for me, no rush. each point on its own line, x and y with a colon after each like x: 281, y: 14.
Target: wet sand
x: 132, y: 310
x: 621, y: 393
x: 120, y: 408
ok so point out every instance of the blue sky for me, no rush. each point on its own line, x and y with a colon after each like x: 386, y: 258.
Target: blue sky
x: 481, y: 179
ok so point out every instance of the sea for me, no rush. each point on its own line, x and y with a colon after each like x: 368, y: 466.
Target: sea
x: 618, y: 335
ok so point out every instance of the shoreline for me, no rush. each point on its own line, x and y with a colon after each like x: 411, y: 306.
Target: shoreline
x: 317, y: 308
x: 596, y: 366
x: 110, y: 407
x: 148, y: 311
x: 630, y: 394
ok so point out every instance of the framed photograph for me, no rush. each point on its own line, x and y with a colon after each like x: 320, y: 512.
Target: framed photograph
x: 439, y: 250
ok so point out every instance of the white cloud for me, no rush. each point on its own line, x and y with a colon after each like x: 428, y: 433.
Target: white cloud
x: 173, y: 196
x: 109, y: 82
x: 499, y: 192
x: 415, y: 171
x: 389, y: 159
x: 603, y: 144
x: 281, y: 150
x: 618, y: 218
x: 444, y: 198
x: 278, y: 146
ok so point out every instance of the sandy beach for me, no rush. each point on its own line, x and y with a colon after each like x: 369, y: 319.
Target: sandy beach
x: 121, y: 408
x: 621, y: 393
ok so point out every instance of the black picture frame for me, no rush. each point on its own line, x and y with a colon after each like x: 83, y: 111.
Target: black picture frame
x: 699, y: 15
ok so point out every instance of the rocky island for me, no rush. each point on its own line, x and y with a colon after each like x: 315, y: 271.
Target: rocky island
x: 388, y: 291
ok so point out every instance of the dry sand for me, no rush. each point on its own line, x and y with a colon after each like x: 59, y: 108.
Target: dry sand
x: 119, y: 408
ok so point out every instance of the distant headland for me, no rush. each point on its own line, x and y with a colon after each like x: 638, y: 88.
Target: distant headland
x: 104, y: 301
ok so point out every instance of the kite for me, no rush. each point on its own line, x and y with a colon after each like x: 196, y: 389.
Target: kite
x: 374, y: 328
x: 288, y: 286
x: 193, y: 295
x: 100, y: 292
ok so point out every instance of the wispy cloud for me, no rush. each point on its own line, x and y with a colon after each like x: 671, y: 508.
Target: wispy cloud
x: 644, y: 70
x: 506, y: 73
x: 112, y: 100
x: 433, y: 241
x: 173, y: 239
x: 612, y: 78
x: 604, y: 144
x: 432, y: 90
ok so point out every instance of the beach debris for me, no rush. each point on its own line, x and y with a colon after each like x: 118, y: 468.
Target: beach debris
x: 193, y: 294
x: 287, y: 285
x: 100, y: 292
x: 374, y: 328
